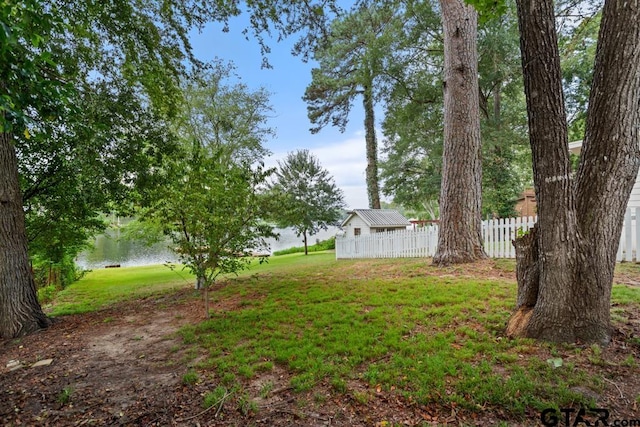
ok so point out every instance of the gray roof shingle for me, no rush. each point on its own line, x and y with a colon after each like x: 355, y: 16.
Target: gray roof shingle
x: 379, y: 217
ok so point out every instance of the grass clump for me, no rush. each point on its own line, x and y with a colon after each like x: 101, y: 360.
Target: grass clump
x: 190, y: 378
x: 215, y: 397
x: 64, y: 398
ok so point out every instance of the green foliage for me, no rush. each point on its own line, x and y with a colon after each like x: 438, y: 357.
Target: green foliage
x: 211, y: 209
x: 489, y: 9
x: 413, y: 122
x: 412, y: 126
x: 64, y: 397
x: 351, y: 60
x: 220, y: 113
x: 325, y: 245
x: 190, y: 378
x: 31, y: 83
x: 46, y: 294
x: 215, y: 397
x: 353, y: 63
x: 577, y: 55
x: 59, y: 275
x: 304, y: 195
x: 85, y: 130
x: 209, y: 202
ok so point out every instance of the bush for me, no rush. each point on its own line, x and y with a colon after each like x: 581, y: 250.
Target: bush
x: 324, y: 245
x: 51, y: 277
x: 47, y: 293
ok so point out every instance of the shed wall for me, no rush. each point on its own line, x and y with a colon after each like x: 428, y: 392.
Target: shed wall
x: 356, y: 222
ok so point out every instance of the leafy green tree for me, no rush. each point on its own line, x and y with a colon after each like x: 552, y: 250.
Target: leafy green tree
x: 210, y: 201
x: 212, y: 210
x: 351, y: 64
x: 53, y: 59
x: 99, y: 168
x: 306, y: 196
x: 413, y: 130
x: 28, y: 82
x: 218, y: 113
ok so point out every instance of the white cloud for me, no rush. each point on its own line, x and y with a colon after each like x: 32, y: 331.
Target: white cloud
x: 346, y: 162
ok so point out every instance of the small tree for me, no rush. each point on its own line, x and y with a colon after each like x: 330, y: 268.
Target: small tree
x: 211, y: 209
x: 307, y: 196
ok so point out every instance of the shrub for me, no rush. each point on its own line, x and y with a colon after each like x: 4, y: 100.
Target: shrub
x: 324, y: 245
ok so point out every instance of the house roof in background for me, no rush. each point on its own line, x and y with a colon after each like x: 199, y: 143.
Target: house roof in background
x: 379, y: 217
x: 575, y: 147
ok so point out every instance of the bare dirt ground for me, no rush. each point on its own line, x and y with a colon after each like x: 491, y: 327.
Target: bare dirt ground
x: 122, y: 366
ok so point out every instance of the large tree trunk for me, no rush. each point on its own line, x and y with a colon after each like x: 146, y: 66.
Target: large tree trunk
x: 20, y: 312
x: 373, y: 190
x: 460, y: 238
x: 567, y: 264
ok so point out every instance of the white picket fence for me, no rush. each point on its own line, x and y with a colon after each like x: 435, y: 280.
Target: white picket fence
x: 498, y: 235
x: 393, y: 244
x: 628, y: 249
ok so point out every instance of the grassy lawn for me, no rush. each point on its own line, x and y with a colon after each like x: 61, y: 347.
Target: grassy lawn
x: 103, y: 287
x: 107, y: 286
x: 400, y: 326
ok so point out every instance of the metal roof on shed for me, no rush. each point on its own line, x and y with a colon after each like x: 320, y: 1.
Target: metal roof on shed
x: 379, y: 217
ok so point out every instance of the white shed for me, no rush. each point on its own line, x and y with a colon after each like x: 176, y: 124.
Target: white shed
x: 362, y: 222
x: 634, y: 199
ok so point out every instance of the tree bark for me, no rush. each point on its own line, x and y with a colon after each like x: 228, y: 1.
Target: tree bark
x: 610, y: 150
x: 373, y: 190
x: 20, y: 311
x: 460, y: 235
x: 579, y: 225
x: 306, y: 251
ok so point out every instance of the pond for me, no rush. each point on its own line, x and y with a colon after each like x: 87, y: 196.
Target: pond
x: 110, y: 249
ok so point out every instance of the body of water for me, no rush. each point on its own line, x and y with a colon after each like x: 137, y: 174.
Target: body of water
x: 110, y: 249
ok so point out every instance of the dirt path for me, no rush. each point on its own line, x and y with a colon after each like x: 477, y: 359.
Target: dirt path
x: 111, y: 367
x: 122, y: 366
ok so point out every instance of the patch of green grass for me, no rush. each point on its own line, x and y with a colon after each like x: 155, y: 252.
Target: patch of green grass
x: 431, y: 338
x: 266, y: 389
x: 103, y: 287
x: 190, y: 378
x: 623, y: 294
x: 319, y: 398
x: 324, y: 245
x: 246, y: 406
x: 429, y: 334
x: 64, y: 398
x: 47, y: 294
x: 630, y: 361
x: 214, y: 397
x: 596, y: 355
x: 361, y: 397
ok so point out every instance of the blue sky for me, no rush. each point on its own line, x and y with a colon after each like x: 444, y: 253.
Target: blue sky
x: 343, y: 154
